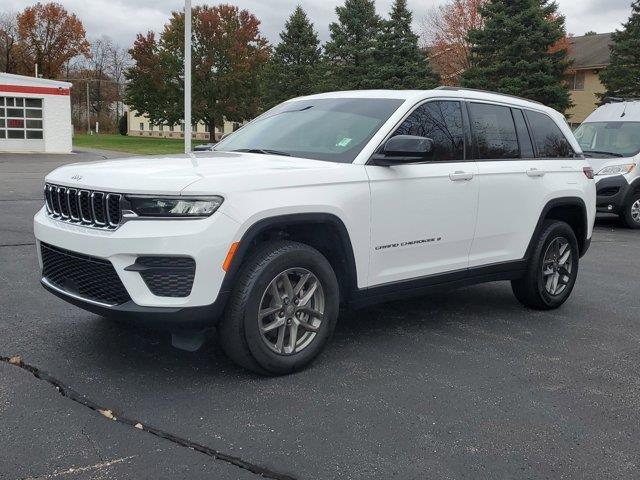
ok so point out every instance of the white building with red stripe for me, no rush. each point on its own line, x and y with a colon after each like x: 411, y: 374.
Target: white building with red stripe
x: 35, y: 115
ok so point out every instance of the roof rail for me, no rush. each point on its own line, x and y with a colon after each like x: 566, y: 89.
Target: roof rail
x: 462, y: 89
x: 619, y: 100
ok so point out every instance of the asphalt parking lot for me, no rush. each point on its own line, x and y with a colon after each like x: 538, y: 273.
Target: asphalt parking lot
x: 466, y: 384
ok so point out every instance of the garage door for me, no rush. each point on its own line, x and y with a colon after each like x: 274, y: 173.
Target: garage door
x: 21, y: 128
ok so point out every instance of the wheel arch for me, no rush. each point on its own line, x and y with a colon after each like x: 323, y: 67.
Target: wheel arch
x: 571, y: 210
x: 324, y: 231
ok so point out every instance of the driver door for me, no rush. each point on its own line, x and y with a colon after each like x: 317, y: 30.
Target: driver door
x: 423, y: 215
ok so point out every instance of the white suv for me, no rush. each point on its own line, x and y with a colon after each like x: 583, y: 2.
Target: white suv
x: 610, y: 138
x: 339, y: 199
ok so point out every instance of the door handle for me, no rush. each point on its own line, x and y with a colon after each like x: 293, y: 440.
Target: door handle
x: 534, y: 172
x: 460, y: 176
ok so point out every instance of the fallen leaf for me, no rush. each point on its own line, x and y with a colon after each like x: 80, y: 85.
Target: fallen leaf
x: 108, y: 414
x: 15, y: 360
x: 138, y: 426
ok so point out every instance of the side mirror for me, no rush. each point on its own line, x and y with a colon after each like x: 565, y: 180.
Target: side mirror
x: 404, y: 149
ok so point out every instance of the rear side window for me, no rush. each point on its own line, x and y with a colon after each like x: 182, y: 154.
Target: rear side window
x: 547, y: 136
x: 494, y: 130
x: 526, y: 147
x: 442, y: 122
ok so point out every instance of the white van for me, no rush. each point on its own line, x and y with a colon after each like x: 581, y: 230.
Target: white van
x: 610, y: 139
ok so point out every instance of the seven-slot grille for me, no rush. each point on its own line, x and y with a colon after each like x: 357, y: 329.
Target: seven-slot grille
x: 85, y: 207
x: 89, y: 277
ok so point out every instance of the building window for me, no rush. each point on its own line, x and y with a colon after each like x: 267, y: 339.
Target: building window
x: 171, y: 128
x: 575, y: 81
x: 21, y: 118
x: 161, y: 128
x: 141, y: 126
x: 182, y: 127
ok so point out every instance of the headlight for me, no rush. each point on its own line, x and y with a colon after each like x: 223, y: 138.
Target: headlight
x: 617, y: 169
x: 174, y: 207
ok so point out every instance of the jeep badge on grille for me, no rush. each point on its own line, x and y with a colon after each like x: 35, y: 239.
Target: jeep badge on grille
x: 76, y: 177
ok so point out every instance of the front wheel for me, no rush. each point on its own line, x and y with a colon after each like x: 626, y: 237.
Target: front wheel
x: 283, y: 309
x: 552, y: 270
x: 630, y: 215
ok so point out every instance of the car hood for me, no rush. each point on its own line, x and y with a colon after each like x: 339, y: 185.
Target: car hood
x: 173, y: 174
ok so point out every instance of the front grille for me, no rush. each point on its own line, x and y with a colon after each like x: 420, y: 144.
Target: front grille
x: 83, y: 207
x: 89, y: 277
x: 166, y: 276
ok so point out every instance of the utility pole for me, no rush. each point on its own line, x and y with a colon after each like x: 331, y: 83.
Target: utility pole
x: 187, y: 76
x: 88, y: 111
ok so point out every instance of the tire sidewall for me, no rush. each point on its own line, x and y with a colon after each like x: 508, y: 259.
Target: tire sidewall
x: 628, y: 218
x: 555, y: 231
x: 320, y: 267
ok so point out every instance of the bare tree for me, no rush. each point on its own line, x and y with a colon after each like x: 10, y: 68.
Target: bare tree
x: 119, y: 63
x: 8, y: 41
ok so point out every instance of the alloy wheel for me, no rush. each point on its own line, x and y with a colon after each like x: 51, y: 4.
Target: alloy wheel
x: 557, y: 266
x: 635, y: 211
x: 291, y: 311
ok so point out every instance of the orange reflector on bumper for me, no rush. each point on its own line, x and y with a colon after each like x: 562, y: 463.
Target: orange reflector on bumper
x: 232, y: 251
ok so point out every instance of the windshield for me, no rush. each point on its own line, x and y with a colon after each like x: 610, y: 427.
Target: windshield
x: 333, y: 129
x: 616, y: 139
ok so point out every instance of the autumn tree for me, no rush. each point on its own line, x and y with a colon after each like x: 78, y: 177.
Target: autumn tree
x: 350, y: 51
x: 445, y: 33
x: 514, y: 52
x: 49, y: 37
x: 228, y: 56
x: 293, y: 70
x: 8, y: 41
x: 622, y: 77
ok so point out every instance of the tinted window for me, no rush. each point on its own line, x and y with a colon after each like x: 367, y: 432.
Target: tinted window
x: 548, y: 137
x: 441, y: 122
x: 526, y: 147
x: 495, y: 133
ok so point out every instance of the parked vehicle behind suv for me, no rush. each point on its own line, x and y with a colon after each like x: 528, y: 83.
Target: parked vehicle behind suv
x: 610, y: 138
x: 339, y: 199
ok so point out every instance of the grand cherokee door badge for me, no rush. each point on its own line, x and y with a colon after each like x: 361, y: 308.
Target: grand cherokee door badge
x: 411, y: 243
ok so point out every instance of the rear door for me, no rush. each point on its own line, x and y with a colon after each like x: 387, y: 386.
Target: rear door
x: 523, y: 160
x: 423, y: 215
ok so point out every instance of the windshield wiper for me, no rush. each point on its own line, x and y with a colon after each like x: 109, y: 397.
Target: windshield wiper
x: 602, y: 152
x: 264, y: 151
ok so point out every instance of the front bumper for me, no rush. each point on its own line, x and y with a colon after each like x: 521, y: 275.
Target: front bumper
x: 612, y: 193
x: 207, y: 241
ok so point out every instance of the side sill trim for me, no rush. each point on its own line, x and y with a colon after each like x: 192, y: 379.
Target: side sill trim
x: 47, y: 283
x: 438, y: 282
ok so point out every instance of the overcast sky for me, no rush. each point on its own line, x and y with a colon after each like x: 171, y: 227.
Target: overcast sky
x: 123, y: 19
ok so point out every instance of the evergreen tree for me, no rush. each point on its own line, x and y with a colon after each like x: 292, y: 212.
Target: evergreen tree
x: 351, y: 48
x: 400, y: 64
x: 622, y: 77
x: 294, y: 67
x: 516, y: 52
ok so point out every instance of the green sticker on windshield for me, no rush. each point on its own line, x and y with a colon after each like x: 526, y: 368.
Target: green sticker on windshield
x: 344, y: 142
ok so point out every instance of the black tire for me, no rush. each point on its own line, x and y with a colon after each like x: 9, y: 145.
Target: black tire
x: 239, y: 333
x: 530, y: 290
x: 626, y: 215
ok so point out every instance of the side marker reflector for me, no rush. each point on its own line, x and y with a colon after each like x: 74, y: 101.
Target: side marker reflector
x: 232, y: 251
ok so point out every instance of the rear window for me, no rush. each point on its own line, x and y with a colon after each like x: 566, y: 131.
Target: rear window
x: 547, y: 136
x: 494, y: 130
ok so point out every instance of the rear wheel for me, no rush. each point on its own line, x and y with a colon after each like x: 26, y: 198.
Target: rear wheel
x: 282, y: 311
x: 630, y: 215
x: 552, y: 270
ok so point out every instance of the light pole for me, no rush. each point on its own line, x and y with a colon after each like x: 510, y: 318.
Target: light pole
x: 187, y: 76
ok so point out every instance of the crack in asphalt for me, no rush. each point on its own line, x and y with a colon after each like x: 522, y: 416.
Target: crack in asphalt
x: 75, y: 396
